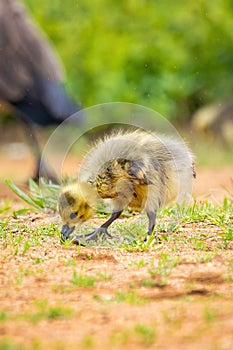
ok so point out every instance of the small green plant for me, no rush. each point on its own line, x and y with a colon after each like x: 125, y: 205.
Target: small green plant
x: 5, y: 205
x: 3, y: 316
x: 62, y: 289
x: 55, y: 312
x: 7, y: 344
x: 205, y: 257
x: 71, y: 262
x: 40, y: 196
x: 200, y: 245
x: 170, y: 226
x: 120, y: 337
x: 20, y: 212
x: 159, y: 275
x: 150, y: 283
x: 210, y: 315
x: 38, y: 261
x: 3, y: 226
x: 131, y: 298
x: 45, y: 311
x: 139, y: 263
x: 21, y: 237
x: 26, y: 247
x: 49, y: 230
x: 146, y: 334
x: 202, y: 212
x: 104, y: 277
x: 227, y: 236
x: 88, y: 342
x: 85, y: 281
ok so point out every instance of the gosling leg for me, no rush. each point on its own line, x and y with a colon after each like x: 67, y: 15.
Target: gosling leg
x: 102, y: 230
x: 152, y: 218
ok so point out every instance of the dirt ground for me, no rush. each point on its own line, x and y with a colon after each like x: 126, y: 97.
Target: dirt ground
x: 68, y: 297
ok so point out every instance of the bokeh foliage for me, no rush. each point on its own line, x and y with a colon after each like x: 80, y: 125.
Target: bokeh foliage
x: 171, y: 56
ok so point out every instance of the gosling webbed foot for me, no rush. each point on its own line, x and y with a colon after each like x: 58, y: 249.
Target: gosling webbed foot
x: 93, y: 236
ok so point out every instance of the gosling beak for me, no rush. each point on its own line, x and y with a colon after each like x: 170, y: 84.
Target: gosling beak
x: 66, y: 231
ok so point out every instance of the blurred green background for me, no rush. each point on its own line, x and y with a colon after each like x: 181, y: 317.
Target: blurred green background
x: 171, y: 56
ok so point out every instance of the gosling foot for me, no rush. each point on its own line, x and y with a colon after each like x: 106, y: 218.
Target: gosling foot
x: 93, y: 236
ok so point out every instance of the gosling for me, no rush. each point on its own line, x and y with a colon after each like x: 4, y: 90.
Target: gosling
x: 135, y: 169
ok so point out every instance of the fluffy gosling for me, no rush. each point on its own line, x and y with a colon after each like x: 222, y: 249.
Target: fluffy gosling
x: 135, y: 169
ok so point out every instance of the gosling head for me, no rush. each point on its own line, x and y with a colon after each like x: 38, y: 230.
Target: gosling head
x: 76, y: 204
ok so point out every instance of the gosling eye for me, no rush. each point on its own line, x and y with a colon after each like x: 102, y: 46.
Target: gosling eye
x: 73, y: 215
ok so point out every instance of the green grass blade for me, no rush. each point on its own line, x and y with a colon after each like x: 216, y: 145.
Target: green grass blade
x: 34, y: 187
x: 22, y: 195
